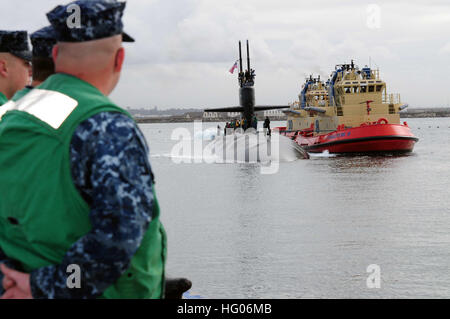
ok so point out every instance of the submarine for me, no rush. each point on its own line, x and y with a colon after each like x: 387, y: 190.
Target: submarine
x: 247, y: 107
x: 246, y: 80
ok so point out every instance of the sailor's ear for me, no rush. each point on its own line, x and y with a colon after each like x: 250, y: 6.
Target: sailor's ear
x: 3, y: 68
x: 55, y: 52
x: 120, y: 58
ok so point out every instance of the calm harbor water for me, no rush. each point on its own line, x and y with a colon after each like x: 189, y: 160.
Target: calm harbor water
x: 312, y: 229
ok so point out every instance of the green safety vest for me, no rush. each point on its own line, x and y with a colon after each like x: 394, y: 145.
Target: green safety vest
x: 20, y: 94
x: 41, y: 212
x: 3, y: 99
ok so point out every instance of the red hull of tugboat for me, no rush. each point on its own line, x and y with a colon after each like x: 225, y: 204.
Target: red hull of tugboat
x: 367, y: 138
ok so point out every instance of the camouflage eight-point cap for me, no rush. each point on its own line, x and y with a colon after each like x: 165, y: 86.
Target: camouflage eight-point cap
x: 87, y: 20
x: 16, y: 43
x: 43, y: 42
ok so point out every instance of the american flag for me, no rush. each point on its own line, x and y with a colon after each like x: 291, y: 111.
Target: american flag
x: 234, y: 67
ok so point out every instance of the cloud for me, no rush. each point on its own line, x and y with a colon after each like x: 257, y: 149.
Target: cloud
x: 445, y: 49
x: 185, y: 48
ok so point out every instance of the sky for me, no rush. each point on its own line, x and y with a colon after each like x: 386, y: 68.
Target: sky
x: 185, y: 48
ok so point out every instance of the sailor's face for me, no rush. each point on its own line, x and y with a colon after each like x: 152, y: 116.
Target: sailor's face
x: 21, y: 73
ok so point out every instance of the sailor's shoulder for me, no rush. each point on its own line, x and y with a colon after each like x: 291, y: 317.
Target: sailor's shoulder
x: 111, y: 141
x: 109, y: 122
x: 51, y: 107
x: 3, y: 99
x: 20, y: 94
x: 114, y: 128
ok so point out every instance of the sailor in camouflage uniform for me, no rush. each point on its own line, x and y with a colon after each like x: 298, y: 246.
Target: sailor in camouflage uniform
x: 76, y: 186
x: 43, y: 66
x: 15, y: 57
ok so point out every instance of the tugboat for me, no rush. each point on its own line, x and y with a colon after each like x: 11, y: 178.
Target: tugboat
x: 350, y: 113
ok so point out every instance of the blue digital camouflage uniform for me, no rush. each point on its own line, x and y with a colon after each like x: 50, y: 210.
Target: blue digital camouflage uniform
x: 16, y: 43
x: 110, y: 168
x: 99, y: 19
x: 43, y: 41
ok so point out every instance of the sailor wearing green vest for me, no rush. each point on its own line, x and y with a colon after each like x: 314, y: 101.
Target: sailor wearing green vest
x: 3, y: 99
x: 43, y: 66
x: 79, y: 216
x: 15, y: 57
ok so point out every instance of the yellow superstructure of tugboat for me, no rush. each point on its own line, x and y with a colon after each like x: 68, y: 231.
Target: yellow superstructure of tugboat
x: 350, y: 113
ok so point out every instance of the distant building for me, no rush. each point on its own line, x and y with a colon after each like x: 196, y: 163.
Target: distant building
x: 273, y: 113
x: 151, y: 116
x: 234, y: 114
x: 210, y: 115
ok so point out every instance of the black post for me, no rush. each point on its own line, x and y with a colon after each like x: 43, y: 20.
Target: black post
x: 247, y: 94
x: 240, y: 57
x: 248, y: 58
x: 247, y: 102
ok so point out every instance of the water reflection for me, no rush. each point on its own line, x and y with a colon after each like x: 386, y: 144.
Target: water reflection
x: 249, y: 237
x: 312, y: 229
x: 363, y: 163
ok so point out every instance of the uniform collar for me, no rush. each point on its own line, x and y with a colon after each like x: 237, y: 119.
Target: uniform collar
x: 3, y: 99
x: 64, y: 77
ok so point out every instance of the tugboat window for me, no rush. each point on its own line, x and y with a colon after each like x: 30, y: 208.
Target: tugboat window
x: 379, y: 87
x: 371, y: 88
x: 363, y: 89
x: 347, y: 89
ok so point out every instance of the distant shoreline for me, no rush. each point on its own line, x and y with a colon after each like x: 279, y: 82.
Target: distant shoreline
x: 425, y: 114
x: 153, y: 120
